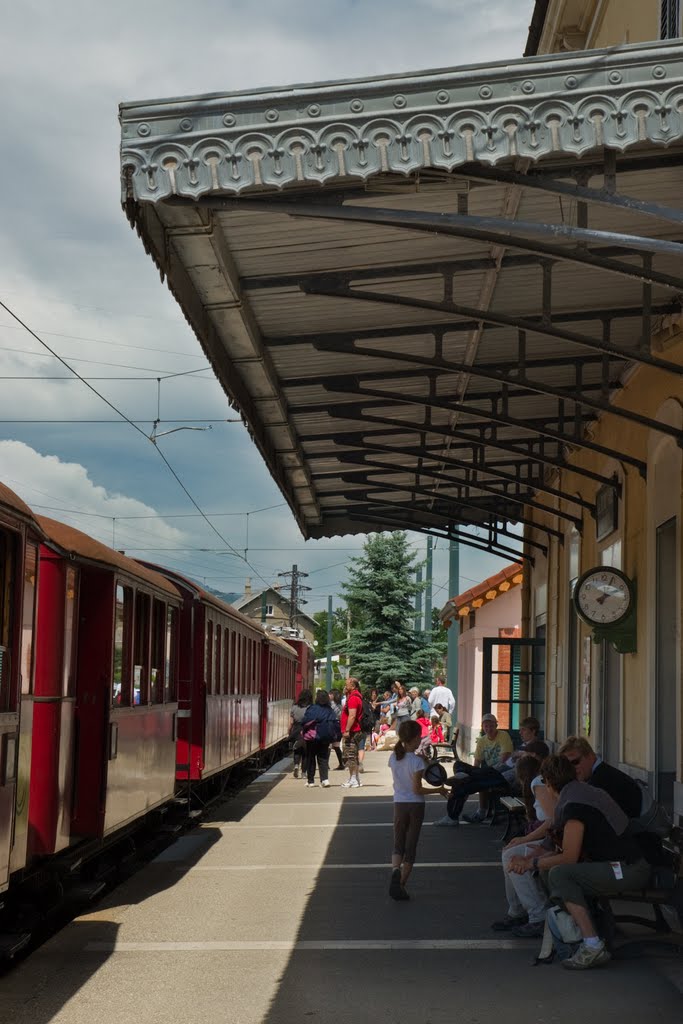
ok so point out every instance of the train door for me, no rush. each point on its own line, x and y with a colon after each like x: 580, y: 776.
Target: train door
x: 10, y: 593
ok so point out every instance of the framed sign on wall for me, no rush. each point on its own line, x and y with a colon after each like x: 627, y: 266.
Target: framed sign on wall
x: 606, y: 511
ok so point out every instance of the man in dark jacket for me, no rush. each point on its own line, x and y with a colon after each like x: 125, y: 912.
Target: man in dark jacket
x: 592, y: 769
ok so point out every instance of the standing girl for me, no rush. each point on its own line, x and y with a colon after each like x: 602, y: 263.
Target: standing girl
x: 407, y: 770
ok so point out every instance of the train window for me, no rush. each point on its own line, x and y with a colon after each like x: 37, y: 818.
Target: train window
x: 70, y: 604
x: 7, y: 576
x: 156, y: 677
x: 227, y: 658
x: 141, y: 650
x: 121, y: 689
x: 208, y: 663
x: 233, y: 662
x: 217, y: 677
x: 170, y: 690
x: 28, y: 618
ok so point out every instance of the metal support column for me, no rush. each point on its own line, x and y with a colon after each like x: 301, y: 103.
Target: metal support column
x: 428, y: 590
x: 454, y: 628
x: 418, y: 600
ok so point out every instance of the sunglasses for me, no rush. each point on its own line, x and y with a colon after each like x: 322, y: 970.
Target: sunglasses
x: 575, y: 760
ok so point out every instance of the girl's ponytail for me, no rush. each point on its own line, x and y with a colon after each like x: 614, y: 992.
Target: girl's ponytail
x: 407, y: 732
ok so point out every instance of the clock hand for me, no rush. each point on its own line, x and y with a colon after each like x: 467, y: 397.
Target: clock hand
x: 602, y: 598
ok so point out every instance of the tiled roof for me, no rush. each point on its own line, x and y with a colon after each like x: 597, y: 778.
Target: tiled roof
x: 491, y: 588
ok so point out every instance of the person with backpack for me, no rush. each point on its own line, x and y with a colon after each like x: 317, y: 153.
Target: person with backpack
x: 297, y: 743
x: 335, y: 704
x: 320, y: 728
x: 352, y: 730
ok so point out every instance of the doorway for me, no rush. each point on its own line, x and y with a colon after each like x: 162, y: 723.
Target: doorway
x: 666, y: 696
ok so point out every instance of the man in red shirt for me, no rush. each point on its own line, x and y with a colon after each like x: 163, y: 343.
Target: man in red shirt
x: 351, y: 731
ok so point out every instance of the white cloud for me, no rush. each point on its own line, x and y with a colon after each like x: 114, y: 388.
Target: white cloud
x: 54, y: 488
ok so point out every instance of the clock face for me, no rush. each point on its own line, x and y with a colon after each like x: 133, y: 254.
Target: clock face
x: 603, y: 596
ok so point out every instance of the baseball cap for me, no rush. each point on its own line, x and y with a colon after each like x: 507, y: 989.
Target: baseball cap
x: 489, y: 718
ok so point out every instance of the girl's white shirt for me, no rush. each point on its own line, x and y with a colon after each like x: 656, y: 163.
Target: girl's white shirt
x: 403, y: 773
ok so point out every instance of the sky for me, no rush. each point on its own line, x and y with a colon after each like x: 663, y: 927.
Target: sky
x: 77, y: 276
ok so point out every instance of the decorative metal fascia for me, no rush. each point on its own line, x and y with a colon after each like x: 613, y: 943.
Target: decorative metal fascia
x: 533, y: 108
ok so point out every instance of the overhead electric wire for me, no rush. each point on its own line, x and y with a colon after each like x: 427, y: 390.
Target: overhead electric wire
x: 137, y: 428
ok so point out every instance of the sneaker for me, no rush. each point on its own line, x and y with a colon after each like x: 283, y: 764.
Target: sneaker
x: 587, y: 957
x: 508, y: 923
x: 310, y: 785
x: 297, y: 773
x: 473, y: 819
x: 402, y: 894
x: 395, y: 884
x: 325, y: 784
x: 351, y: 784
x: 531, y: 930
x: 446, y: 820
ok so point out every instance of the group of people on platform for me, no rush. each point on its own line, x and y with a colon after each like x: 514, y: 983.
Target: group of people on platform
x: 348, y: 723
x: 586, y: 834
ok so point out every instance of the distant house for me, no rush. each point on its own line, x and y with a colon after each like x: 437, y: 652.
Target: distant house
x: 491, y: 609
x: 278, y: 609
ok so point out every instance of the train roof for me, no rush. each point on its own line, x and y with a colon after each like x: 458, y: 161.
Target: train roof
x: 204, y: 595
x: 75, y: 542
x: 282, y: 644
x: 13, y: 501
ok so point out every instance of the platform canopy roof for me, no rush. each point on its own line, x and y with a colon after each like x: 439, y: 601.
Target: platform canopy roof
x: 420, y: 290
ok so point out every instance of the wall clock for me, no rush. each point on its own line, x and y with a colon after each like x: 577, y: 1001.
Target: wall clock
x: 605, y: 599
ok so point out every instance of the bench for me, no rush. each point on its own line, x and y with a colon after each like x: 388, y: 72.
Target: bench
x: 515, y: 808
x: 663, y: 897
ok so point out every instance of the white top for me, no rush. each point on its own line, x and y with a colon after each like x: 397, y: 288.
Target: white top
x: 538, y: 810
x: 442, y: 695
x: 403, y: 772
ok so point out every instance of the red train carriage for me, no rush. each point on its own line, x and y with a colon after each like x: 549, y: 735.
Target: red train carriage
x: 305, y: 669
x: 19, y: 540
x: 104, y: 702
x: 279, y: 669
x: 219, y: 683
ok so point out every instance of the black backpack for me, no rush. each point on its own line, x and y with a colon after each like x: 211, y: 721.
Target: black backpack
x: 328, y: 729
x: 367, y: 717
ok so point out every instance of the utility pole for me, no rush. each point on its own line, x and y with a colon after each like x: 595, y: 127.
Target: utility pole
x: 428, y: 590
x: 328, y: 666
x: 418, y: 600
x: 296, y: 588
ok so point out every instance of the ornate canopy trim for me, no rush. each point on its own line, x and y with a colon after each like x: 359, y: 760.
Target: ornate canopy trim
x: 269, y: 140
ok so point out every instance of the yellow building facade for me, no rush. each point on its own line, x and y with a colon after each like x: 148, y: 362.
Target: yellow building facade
x: 630, y: 705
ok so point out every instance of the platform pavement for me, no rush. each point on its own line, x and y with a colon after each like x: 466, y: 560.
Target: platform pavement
x: 276, y: 911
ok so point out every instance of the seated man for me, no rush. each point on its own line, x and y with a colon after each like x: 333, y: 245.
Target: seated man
x: 491, y: 750
x: 527, y: 899
x: 529, y: 729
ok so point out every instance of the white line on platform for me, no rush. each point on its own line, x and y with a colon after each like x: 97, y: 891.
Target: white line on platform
x: 229, y: 825
x: 337, y: 867
x: 310, y: 803
x: 294, y: 947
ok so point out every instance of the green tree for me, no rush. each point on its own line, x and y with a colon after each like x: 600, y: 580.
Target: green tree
x: 380, y: 592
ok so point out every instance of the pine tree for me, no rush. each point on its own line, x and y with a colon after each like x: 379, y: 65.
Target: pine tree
x: 380, y: 593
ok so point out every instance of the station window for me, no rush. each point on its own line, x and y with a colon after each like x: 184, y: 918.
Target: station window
x: 669, y: 19
x: 7, y: 578
x: 70, y: 605
x: 123, y: 617
x: 170, y: 686
x: 28, y: 618
x: 141, y: 649
x: 156, y: 676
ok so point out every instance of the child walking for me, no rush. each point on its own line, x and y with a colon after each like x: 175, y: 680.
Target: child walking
x: 407, y: 769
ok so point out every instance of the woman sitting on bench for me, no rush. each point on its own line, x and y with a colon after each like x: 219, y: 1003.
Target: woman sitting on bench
x: 595, y: 856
